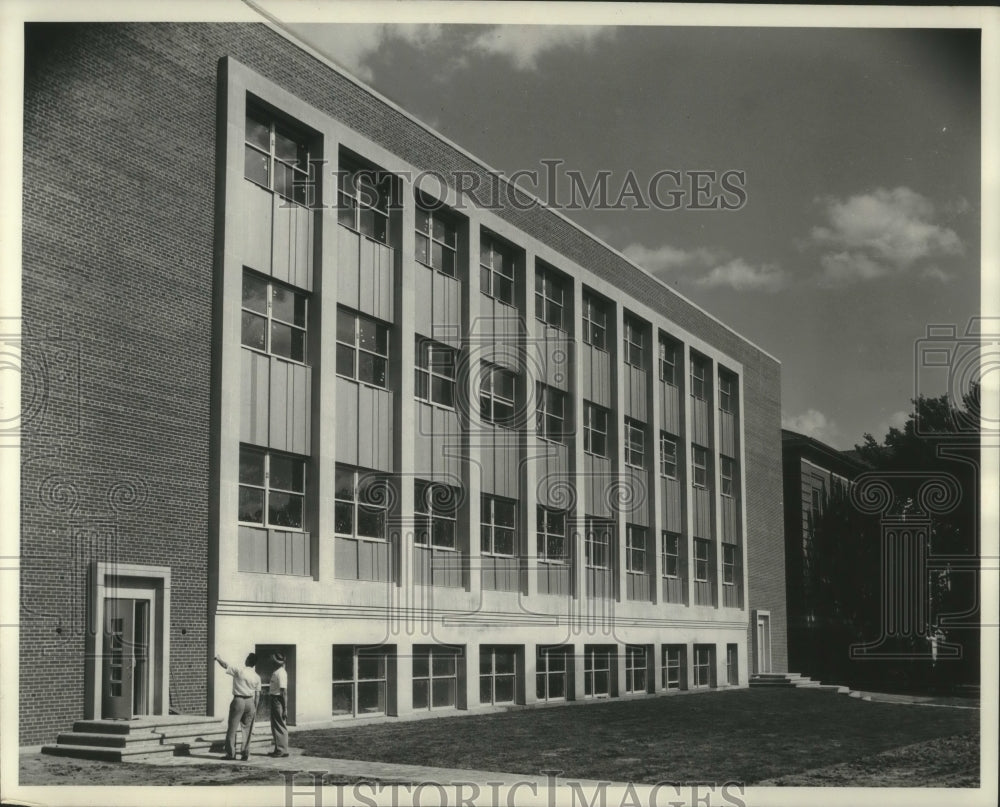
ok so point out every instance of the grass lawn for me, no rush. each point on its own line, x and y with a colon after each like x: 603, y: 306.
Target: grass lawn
x: 747, y: 735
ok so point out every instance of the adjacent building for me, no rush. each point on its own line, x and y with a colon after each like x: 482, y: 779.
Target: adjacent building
x: 291, y: 395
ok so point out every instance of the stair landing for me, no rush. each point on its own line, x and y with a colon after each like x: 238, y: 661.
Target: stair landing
x: 799, y: 681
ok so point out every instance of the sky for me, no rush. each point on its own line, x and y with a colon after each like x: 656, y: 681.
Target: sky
x: 860, y: 150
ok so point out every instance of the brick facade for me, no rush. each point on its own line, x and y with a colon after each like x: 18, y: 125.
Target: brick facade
x: 118, y: 241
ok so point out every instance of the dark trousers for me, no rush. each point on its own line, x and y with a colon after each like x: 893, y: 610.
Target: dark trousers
x: 279, y: 723
x: 241, y: 713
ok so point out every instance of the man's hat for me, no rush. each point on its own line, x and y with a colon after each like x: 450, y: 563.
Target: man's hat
x: 278, y: 658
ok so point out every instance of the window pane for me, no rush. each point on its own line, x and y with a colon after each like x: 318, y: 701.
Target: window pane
x: 284, y: 179
x: 251, y: 467
x: 343, y: 664
x: 556, y: 547
x: 444, y: 533
x: 285, y: 148
x: 254, y: 331
x: 443, y: 663
x: 503, y: 289
x: 254, y: 293
x: 503, y: 541
x: 284, y: 510
x: 371, y: 697
x: 420, y: 694
x: 371, y: 522
x: 557, y: 686
x: 505, y: 661
x: 444, y: 692
x: 281, y: 340
x: 371, y: 666
x: 343, y: 518
x: 258, y: 131
x: 346, y: 214
x: 371, y: 369
x: 343, y: 699
x: 255, y: 166
x: 443, y: 392
x: 422, y: 248
x: 486, y: 689
x: 485, y: 537
x: 286, y: 473
x: 504, y: 689
x: 345, y: 327
x: 251, y: 506
x: 288, y: 306
x: 504, y: 513
x: 421, y: 665
x: 423, y: 220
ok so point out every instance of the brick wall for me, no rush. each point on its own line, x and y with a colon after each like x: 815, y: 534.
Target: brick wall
x: 118, y: 244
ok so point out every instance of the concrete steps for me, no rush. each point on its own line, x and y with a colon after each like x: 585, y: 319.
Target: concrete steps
x: 176, y: 735
x: 799, y: 681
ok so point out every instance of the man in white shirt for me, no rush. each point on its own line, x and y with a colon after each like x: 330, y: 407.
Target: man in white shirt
x: 243, y: 709
x: 278, y: 690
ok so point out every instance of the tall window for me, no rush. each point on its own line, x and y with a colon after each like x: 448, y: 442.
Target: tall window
x: 673, y: 666
x: 435, y: 513
x: 634, y: 342
x: 701, y: 560
x: 276, y: 157
x: 272, y: 489
x: 359, y: 680
x: 671, y: 554
x: 551, y: 413
x: 364, y: 200
x: 730, y: 564
x: 635, y: 549
x: 595, y: 429
x: 496, y: 269
x: 551, y: 668
x: 635, y: 668
x: 435, y: 676
x: 727, y: 393
x: 668, y: 361
x: 360, y: 500
x: 437, y: 238
x: 699, y: 466
x: 728, y: 474
x: 732, y: 664
x: 597, y: 543
x: 550, y: 297
x: 595, y: 322
x: 635, y: 443
x: 704, y: 656
x: 597, y: 663
x: 362, y: 348
x: 498, y: 525
x: 668, y: 455
x: 497, y: 674
x: 434, y: 370
x: 698, y: 387
x: 496, y: 395
x: 551, y: 535
x: 274, y: 317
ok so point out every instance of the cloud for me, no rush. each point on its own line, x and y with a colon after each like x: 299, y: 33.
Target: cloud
x: 352, y: 45
x: 896, y: 420
x: 523, y: 44
x: 662, y: 260
x: 885, y: 232
x: 812, y: 423
x: 739, y: 275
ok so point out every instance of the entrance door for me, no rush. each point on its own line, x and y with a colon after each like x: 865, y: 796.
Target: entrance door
x: 125, y: 668
x: 762, y: 656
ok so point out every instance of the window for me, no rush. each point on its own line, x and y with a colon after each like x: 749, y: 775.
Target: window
x: 497, y: 676
x: 595, y: 322
x: 699, y: 466
x: 359, y: 680
x: 435, y: 508
x: 698, y: 388
x: 551, y: 413
x: 435, y: 372
x: 727, y: 393
x: 703, y: 663
x: 671, y: 554
x: 728, y: 472
x: 437, y: 238
x: 595, y: 429
x: 730, y: 564
x: 435, y: 676
x: 498, y: 525
x: 364, y: 200
x: 635, y: 443
x: 272, y: 489
x: 274, y: 317
x: 635, y: 669
x: 635, y: 549
x: 551, y: 535
x: 360, y: 500
x: 496, y: 395
x: 496, y: 269
x: 634, y: 342
x: 277, y: 158
x: 668, y: 361
x: 597, y: 671
x: 732, y: 664
x: 550, y: 298
x: 668, y: 455
x: 551, y: 673
x: 362, y: 348
x: 597, y: 543
x: 673, y: 666
x: 701, y: 556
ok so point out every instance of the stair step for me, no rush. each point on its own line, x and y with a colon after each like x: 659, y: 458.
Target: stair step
x: 106, y: 740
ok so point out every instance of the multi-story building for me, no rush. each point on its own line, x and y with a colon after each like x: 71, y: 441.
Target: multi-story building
x: 442, y: 454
